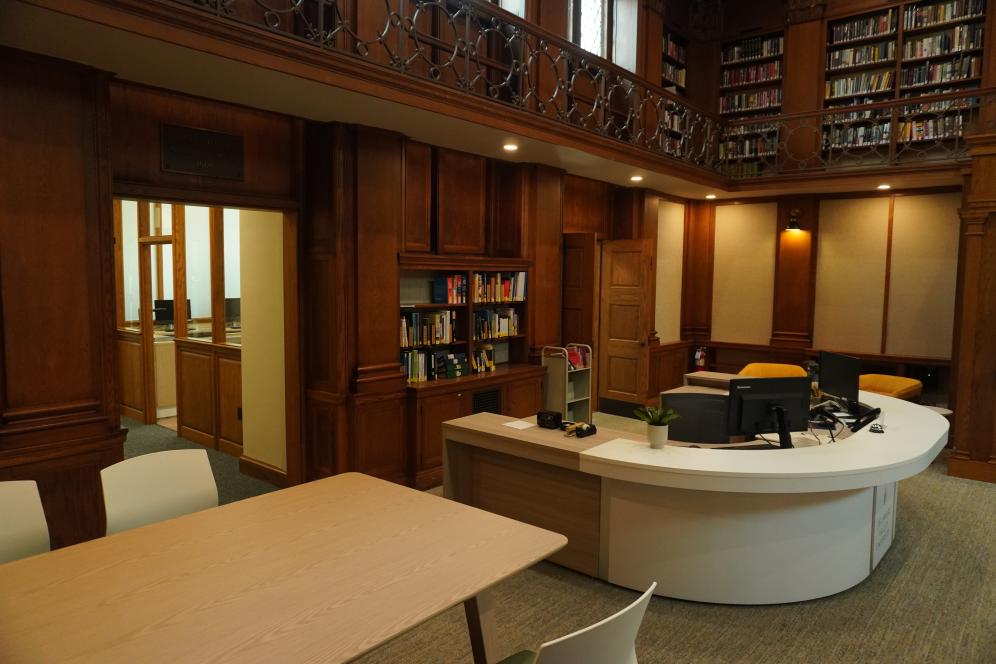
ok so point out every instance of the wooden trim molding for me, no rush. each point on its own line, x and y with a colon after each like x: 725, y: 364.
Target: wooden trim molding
x: 697, y: 271
x: 264, y: 471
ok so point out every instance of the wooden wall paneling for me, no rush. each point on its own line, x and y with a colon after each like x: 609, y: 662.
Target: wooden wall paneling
x: 795, y: 273
x: 377, y: 421
x: 270, y: 149
x: 702, y: 74
x: 587, y: 205
x: 461, y: 194
x: 803, y: 66
x: 327, y: 281
x: 649, y: 39
x: 697, y: 271
x: 523, y: 398
x: 131, y: 384
x: 551, y: 15
x: 180, y: 312
x: 668, y: 365
x: 59, y: 421
x: 580, y: 288
x: 229, y: 412
x: 418, y: 197
x: 507, y: 203
x: 217, y: 249
x: 974, y: 454
x: 196, y: 392
x: 293, y: 379
x: 888, y: 274
x: 543, y: 226
x: 118, y: 266
x: 430, y: 413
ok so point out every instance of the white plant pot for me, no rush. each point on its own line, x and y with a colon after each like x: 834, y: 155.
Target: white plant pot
x: 657, y: 436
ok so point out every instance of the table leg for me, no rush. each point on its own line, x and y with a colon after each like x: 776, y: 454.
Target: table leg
x: 480, y: 612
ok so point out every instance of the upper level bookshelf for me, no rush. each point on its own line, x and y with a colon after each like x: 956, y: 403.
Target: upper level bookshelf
x: 674, y: 62
x: 861, y: 58
x: 751, y: 75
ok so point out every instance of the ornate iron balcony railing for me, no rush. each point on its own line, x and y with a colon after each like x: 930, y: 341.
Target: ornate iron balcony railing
x: 475, y: 47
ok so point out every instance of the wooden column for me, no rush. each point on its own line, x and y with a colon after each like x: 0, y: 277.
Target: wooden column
x: 974, y: 454
x: 795, y: 273
x: 802, y: 83
x: 59, y: 422
x: 697, y: 272
x: 542, y: 229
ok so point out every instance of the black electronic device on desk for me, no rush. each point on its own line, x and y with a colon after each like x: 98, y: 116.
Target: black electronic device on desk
x: 769, y: 405
x: 839, y: 377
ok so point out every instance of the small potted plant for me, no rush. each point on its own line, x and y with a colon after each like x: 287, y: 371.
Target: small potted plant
x: 657, y: 420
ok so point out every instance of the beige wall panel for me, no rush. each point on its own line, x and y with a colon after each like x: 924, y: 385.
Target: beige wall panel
x: 744, y: 272
x: 924, y: 270
x: 264, y: 422
x: 850, y: 274
x: 165, y: 352
x: 670, y: 254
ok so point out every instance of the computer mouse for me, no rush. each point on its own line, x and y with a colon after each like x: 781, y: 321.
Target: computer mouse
x: 876, y: 428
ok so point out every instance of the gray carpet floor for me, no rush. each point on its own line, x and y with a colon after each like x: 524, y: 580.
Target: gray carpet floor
x: 931, y: 600
x: 232, y: 485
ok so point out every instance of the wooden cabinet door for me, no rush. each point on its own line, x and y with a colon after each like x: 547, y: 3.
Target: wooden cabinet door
x: 418, y: 197
x: 626, y: 320
x: 432, y: 412
x: 461, y: 192
x: 230, y: 405
x: 523, y: 398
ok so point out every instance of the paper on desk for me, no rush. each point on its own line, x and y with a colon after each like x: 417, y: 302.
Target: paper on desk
x: 520, y: 424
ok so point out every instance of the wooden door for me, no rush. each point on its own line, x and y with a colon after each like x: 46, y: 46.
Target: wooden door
x: 626, y: 320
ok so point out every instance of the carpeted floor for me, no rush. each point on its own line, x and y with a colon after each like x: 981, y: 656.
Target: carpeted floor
x: 232, y: 485
x: 932, y: 599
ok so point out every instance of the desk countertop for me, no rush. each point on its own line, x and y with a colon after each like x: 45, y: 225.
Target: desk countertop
x: 913, y: 437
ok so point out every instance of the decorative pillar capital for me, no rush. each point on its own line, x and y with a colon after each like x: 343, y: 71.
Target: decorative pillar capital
x: 800, y: 11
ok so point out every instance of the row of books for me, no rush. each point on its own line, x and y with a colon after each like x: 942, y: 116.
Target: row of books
x: 759, y: 73
x: 449, y: 289
x: 752, y: 49
x: 427, y: 328
x: 924, y: 16
x: 861, y: 55
x: 673, y: 73
x: 851, y: 136
x: 500, y: 287
x: 942, y: 72
x: 421, y: 365
x: 495, y: 323
x: 754, y: 128
x: 750, y: 100
x: 746, y: 148
x: 745, y: 169
x: 674, y: 50
x: 578, y: 357
x: 959, y: 38
x: 482, y: 360
x: 863, y: 27
x: 948, y: 126
x: 860, y: 84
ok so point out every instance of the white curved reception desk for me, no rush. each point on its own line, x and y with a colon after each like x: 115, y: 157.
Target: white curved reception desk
x: 712, y: 525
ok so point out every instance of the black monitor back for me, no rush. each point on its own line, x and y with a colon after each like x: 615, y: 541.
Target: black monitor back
x: 753, y: 400
x: 839, y: 376
x: 702, y: 417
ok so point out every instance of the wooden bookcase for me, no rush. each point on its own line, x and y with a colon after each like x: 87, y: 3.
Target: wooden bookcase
x: 750, y: 86
x: 674, y: 62
x: 904, y: 51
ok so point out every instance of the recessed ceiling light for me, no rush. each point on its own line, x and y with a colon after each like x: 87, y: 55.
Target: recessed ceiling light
x: 510, y: 147
x: 711, y: 197
x: 885, y: 186
x: 636, y: 178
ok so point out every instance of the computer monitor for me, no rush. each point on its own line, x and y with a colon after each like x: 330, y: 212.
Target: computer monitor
x: 702, y: 417
x: 162, y: 311
x: 769, y: 405
x: 233, y: 309
x: 839, y: 379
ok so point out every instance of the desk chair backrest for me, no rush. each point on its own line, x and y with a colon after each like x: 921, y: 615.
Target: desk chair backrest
x: 154, y: 487
x: 611, y: 640
x: 23, y: 529
x: 899, y: 387
x: 770, y: 370
x: 702, y: 417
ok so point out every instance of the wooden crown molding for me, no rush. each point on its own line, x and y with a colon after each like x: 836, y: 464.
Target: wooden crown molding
x: 800, y: 11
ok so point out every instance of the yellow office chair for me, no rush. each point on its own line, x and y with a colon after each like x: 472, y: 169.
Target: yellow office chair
x: 768, y: 370
x: 908, y: 389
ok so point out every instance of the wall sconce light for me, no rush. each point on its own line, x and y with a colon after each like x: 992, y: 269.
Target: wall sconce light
x: 793, y: 223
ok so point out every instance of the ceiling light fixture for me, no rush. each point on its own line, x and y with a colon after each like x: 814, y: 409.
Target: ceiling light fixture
x: 885, y: 186
x: 636, y: 178
x: 510, y: 147
x: 711, y: 197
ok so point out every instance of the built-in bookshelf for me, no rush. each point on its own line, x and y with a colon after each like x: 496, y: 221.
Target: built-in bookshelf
x: 750, y: 87
x: 751, y: 74
x: 457, y: 322
x: 674, y: 62
x: 911, y: 50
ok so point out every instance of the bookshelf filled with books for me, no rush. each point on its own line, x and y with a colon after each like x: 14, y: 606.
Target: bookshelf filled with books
x: 460, y: 323
x: 674, y: 62
x: 914, y: 49
x: 750, y: 87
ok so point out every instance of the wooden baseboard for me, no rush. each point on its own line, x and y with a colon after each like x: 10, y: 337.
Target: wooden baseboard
x: 132, y: 413
x: 983, y: 471
x: 195, y: 436
x: 427, y: 479
x: 263, y: 471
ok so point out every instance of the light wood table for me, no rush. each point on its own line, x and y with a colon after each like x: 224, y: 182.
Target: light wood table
x: 321, y: 572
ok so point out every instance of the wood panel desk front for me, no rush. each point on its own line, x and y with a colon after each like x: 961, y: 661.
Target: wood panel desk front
x: 320, y: 572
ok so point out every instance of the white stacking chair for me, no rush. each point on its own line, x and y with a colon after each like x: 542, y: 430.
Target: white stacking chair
x: 611, y: 641
x: 23, y: 529
x: 153, y: 487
